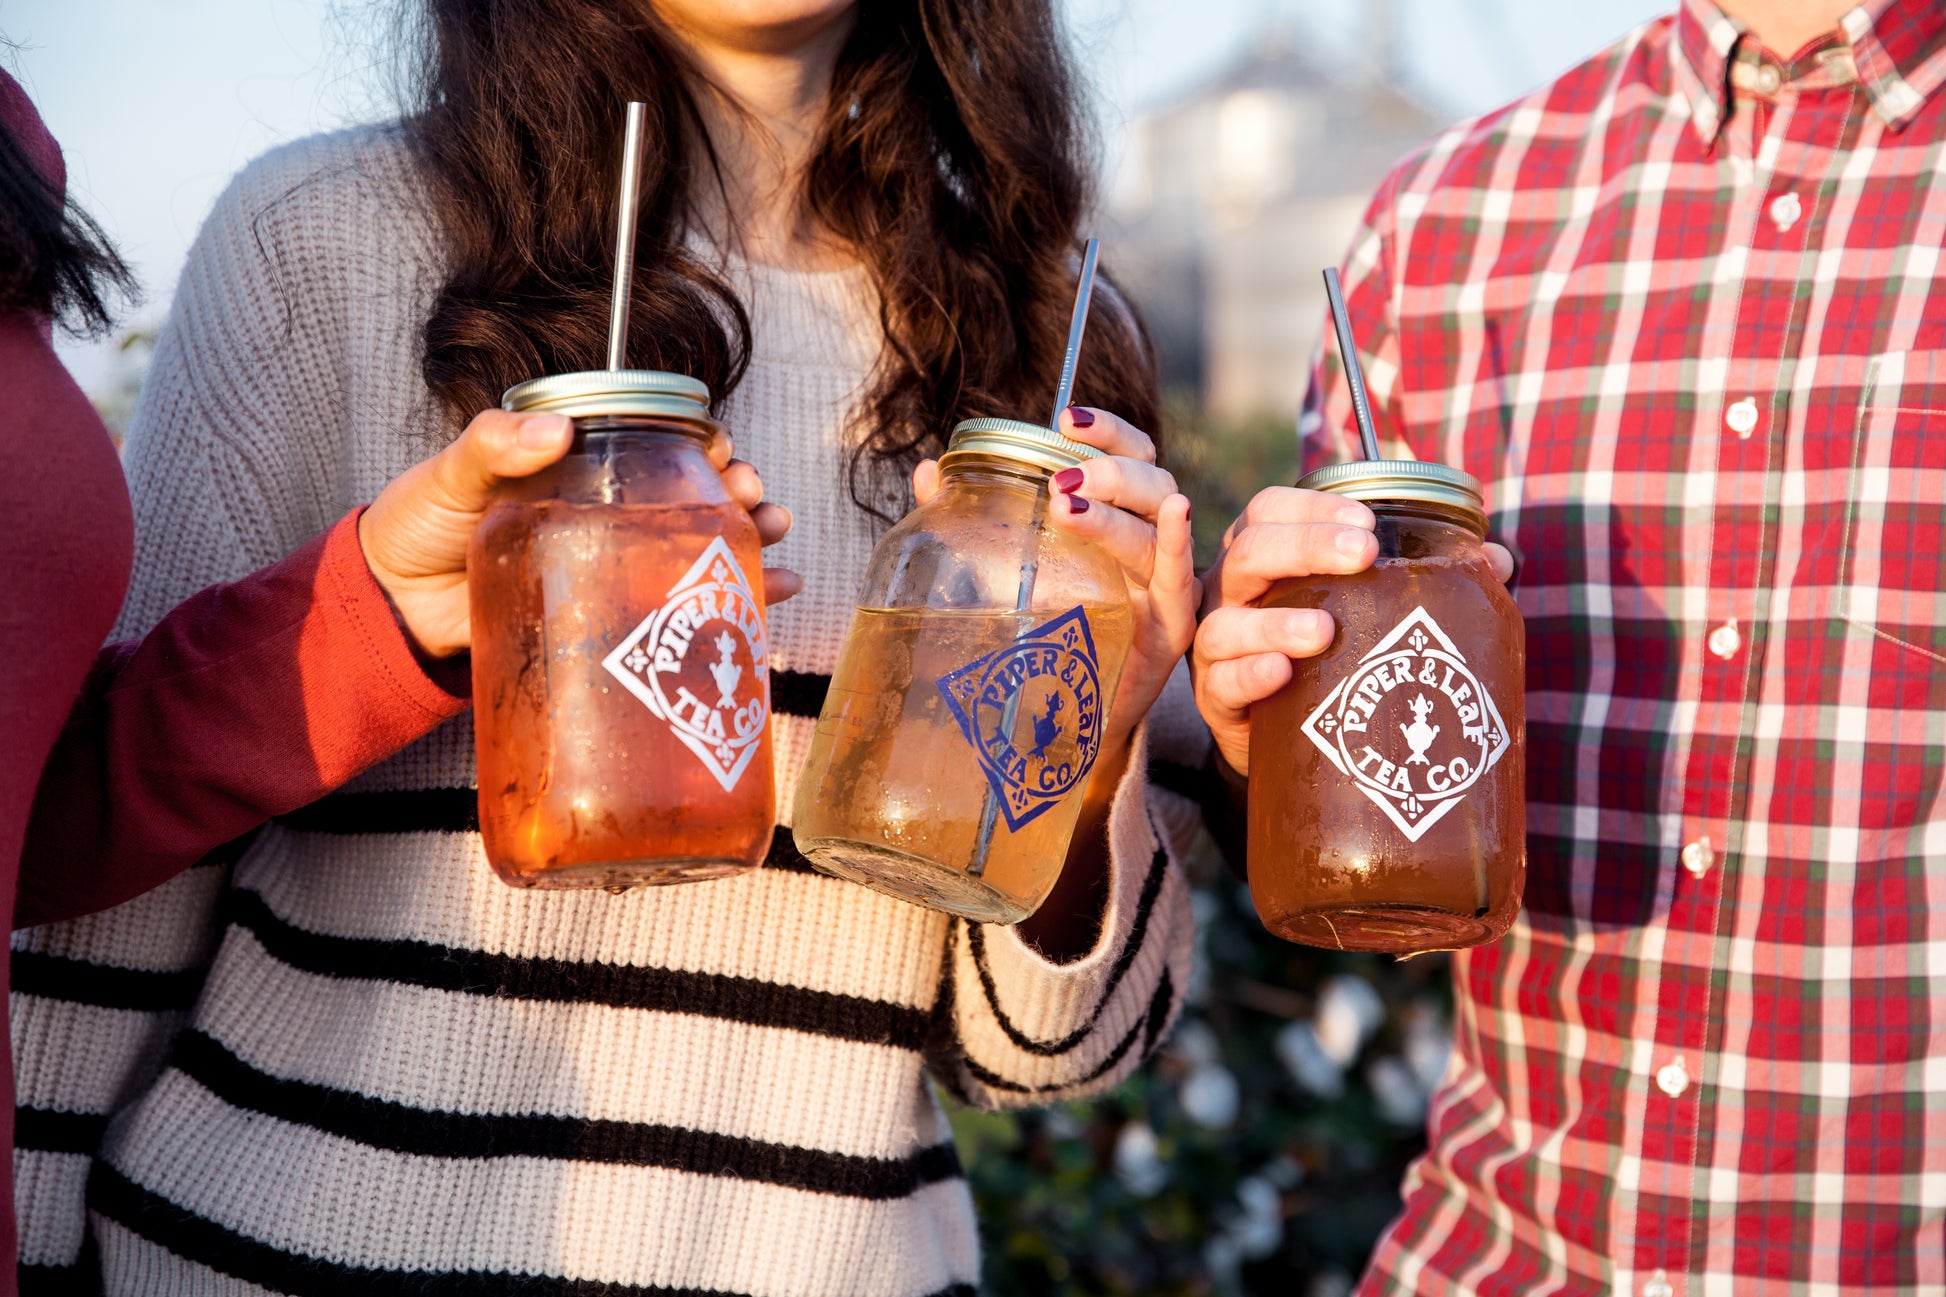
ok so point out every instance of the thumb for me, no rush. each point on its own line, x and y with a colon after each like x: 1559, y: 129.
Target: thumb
x: 925, y: 480
x: 498, y: 445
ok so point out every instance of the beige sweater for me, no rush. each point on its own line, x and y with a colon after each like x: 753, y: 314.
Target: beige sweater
x: 401, y: 1076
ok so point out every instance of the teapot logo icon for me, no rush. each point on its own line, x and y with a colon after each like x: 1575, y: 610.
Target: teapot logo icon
x: 1419, y: 734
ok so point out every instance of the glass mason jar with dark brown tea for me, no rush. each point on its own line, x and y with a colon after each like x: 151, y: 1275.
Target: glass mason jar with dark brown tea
x: 955, y: 745
x: 621, y: 689
x: 1387, y: 806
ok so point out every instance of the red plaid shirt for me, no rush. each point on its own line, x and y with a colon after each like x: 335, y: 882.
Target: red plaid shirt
x: 1684, y: 312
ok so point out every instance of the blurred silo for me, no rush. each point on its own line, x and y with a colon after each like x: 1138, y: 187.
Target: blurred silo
x: 1233, y: 198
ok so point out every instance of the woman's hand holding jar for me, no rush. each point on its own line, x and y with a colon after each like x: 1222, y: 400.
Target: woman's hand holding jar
x: 415, y: 534
x: 1129, y: 508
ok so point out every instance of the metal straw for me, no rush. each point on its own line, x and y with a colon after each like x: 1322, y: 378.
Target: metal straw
x: 625, y: 238
x: 1084, y: 292
x: 1030, y: 567
x: 1361, y: 402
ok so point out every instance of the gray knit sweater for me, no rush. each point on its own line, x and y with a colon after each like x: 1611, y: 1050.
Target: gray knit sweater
x: 349, y: 1060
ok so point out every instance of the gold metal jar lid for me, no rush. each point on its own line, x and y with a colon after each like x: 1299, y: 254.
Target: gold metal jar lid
x: 596, y: 392
x: 1416, y: 480
x: 1026, y: 443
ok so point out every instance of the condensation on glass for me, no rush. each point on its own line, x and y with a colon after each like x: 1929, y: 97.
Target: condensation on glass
x: 620, y: 670
x: 950, y: 761
x: 1387, y: 808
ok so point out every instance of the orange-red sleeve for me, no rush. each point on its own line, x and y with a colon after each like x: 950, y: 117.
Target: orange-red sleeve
x: 248, y: 700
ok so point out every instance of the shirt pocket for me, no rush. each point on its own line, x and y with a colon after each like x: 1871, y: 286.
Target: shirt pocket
x: 1892, y: 574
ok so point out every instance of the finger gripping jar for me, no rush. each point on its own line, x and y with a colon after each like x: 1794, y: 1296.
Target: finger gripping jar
x: 620, y: 681
x: 1387, y: 807
x: 967, y: 709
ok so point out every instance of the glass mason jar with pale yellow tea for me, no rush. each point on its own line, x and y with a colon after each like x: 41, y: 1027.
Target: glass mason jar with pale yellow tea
x: 950, y: 761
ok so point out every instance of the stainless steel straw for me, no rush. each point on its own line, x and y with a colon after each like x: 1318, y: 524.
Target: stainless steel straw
x: 625, y: 238
x: 1030, y: 567
x: 1361, y: 402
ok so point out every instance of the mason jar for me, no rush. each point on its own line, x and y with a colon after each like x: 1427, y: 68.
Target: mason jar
x: 967, y: 708
x: 620, y: 681
x: 1387, y: 807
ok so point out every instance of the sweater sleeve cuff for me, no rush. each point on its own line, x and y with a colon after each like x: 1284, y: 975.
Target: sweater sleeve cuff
x: 1037, y: 1028
x: 438, y: 692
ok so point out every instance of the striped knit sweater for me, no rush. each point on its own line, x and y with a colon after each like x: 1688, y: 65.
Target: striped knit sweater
x: 346, y: 1059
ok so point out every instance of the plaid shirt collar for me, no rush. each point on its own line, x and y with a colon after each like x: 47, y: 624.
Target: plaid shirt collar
x: 1895, y: 48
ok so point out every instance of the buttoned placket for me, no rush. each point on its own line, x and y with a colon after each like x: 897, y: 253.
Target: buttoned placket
x: 1772, y: 215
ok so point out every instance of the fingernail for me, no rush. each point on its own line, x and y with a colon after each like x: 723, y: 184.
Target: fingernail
x: 1069, y: 480
x: 1081, y: 418
x: 1351, y: 542
x: 1077, y: 504
x: 1356, y: 515
x: 540, y: 431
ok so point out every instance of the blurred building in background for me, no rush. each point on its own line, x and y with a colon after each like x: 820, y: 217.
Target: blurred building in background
x: 1233, y: 198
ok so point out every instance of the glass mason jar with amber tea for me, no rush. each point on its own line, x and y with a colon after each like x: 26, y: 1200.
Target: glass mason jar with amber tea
x: 964, y: 718
x: 621, y: 690
x: 1387, y: 808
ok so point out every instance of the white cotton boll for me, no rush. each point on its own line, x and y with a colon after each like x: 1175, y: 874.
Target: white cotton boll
x: 1260, y: 1231
x: 1061, y: 1125
x: 1282, y: 1172
x: 1400, y: 1098
x: 1138, y: 1164
x: 1428, y: 1045
x: 1206, y: 907
x: 1211, y: 1097
x: 1332, y: 1283
x: 1314, y: 1071
x: 1195, y: 1044
x: 1222, y: 1259
x: 1349, y: 1011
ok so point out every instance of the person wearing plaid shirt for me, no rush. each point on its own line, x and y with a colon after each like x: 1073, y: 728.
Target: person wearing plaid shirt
x: 1682, y: 311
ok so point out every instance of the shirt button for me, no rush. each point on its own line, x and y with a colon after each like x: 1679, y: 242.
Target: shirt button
x: 1725, y: 640
x: 1768, y: 79
x: 1784, y: 211
x: 1698, y: 856
x: 1658, y: 1285
x: 1672, y: 1080
x: 1742, y: 417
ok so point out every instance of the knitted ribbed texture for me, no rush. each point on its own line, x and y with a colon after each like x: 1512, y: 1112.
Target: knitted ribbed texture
x: 401, y: 1076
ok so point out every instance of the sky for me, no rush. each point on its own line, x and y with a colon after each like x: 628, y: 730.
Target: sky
x: 158, y: 102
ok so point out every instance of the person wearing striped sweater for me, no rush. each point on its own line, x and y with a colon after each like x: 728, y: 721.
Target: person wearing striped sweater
x: 341, y: 1056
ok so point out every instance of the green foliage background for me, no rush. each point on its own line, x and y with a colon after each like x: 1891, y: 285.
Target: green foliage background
x: 1288, y: 1195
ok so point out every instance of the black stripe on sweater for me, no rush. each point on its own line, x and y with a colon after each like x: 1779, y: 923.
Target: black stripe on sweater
x: 425, y: 1132
x: 1149, y: 1026
x: 798, y: 693
x: 1138, y: 931
x: 188, y: 1235
x: 82, y: 1277
x: 104, y: 986
x: 447, y: 810
x: 747, y: 1000
x: 48, y: 1130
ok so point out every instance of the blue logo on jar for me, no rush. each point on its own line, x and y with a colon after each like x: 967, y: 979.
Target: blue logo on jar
x: 1032, y: 712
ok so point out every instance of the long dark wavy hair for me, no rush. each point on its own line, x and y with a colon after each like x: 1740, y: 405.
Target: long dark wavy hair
x: 54, y: 260
x: 952, y: 159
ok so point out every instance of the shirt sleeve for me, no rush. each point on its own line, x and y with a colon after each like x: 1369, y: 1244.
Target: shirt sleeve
x: 231, y: 467
x: 1014, y: 1028
x: 248, y: 700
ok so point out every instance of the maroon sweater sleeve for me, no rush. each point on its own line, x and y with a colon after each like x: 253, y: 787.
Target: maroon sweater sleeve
x: 247, y: 701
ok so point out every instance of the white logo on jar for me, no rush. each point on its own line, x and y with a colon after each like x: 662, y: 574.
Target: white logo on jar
x: 1411, y: 725
x: 698, y: 662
